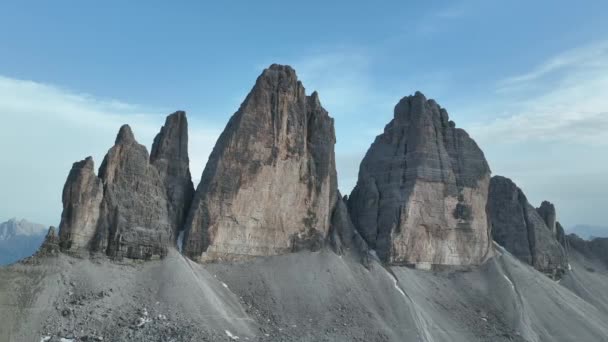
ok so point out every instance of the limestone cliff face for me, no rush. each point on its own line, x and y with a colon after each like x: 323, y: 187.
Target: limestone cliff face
x: 422, y: 190
x: 138, y: 202
x: 82, y: 195
x: 520, y: 228
x: 170, y: 157
x: 270, y: 183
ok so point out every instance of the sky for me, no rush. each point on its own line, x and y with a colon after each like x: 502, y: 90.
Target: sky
x: 527, y: 79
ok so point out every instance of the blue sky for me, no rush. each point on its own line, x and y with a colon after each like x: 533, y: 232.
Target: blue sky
x: 528, y: 80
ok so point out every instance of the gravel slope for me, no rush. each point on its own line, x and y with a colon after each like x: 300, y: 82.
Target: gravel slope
x: 298, y: 297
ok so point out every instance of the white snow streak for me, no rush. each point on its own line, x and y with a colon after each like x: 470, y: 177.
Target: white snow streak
x: 232, y: 337
x: 509, y: 281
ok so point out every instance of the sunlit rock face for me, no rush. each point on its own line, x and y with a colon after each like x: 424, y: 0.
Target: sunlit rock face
x: 269, y: 186
x: 422, y: 191
x: 523, y: 230
x: 82, y: 196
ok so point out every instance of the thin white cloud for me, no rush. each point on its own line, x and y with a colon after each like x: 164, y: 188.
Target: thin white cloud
x: 341, y: 76
x: 48, y: 128
x: 584, y: 57
x: 569, y: 103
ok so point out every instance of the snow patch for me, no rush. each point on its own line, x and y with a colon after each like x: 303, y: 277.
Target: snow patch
x: 569, y: 267
x: 45, y: 338
x: 232, y: 337
x: 66, y: 340
x: 395, y: 284
x: 398, y: 288
x: 509, y: 281
x: 180, y: 241
x: 224, y: 285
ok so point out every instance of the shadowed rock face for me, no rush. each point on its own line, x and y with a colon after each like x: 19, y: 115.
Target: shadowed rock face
x: 134, y: 219
x: 422, y: 190
x: 82, y: 195
x: 520, y: 228
x: 170, y: 157
x: 270, y: 183
x: 137, y: 204
x: 343, y: 236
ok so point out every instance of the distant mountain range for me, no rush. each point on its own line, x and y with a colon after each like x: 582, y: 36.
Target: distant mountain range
x: 587, y: 232
x: 19, y: 239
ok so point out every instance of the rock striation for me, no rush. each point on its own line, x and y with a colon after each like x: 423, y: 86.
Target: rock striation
x: 523, y: 231
x: 136, y: 205
x: 169, y: 156
x: 422, y: 190
x: 269, y: 186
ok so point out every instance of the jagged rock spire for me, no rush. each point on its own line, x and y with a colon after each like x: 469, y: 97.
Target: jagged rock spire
x: 270, y: 183
x: 137, y: 203
x: 169, y: 156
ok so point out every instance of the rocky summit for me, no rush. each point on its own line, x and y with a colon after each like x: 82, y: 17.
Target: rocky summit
x: 137, y: 204
x: 422, y: 190
x: 525, y: 231
x: 269, y: 186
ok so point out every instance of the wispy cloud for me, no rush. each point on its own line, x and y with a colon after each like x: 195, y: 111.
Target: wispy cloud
x: 562, y: 100
x: 590, y: 56
x: 51, y: 127
x: 342, y: 76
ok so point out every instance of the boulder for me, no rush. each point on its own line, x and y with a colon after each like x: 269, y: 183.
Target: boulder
x: 422, y: 190
x: 269, y: 185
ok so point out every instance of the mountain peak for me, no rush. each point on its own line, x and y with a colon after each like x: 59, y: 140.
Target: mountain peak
x: 125, y: 135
